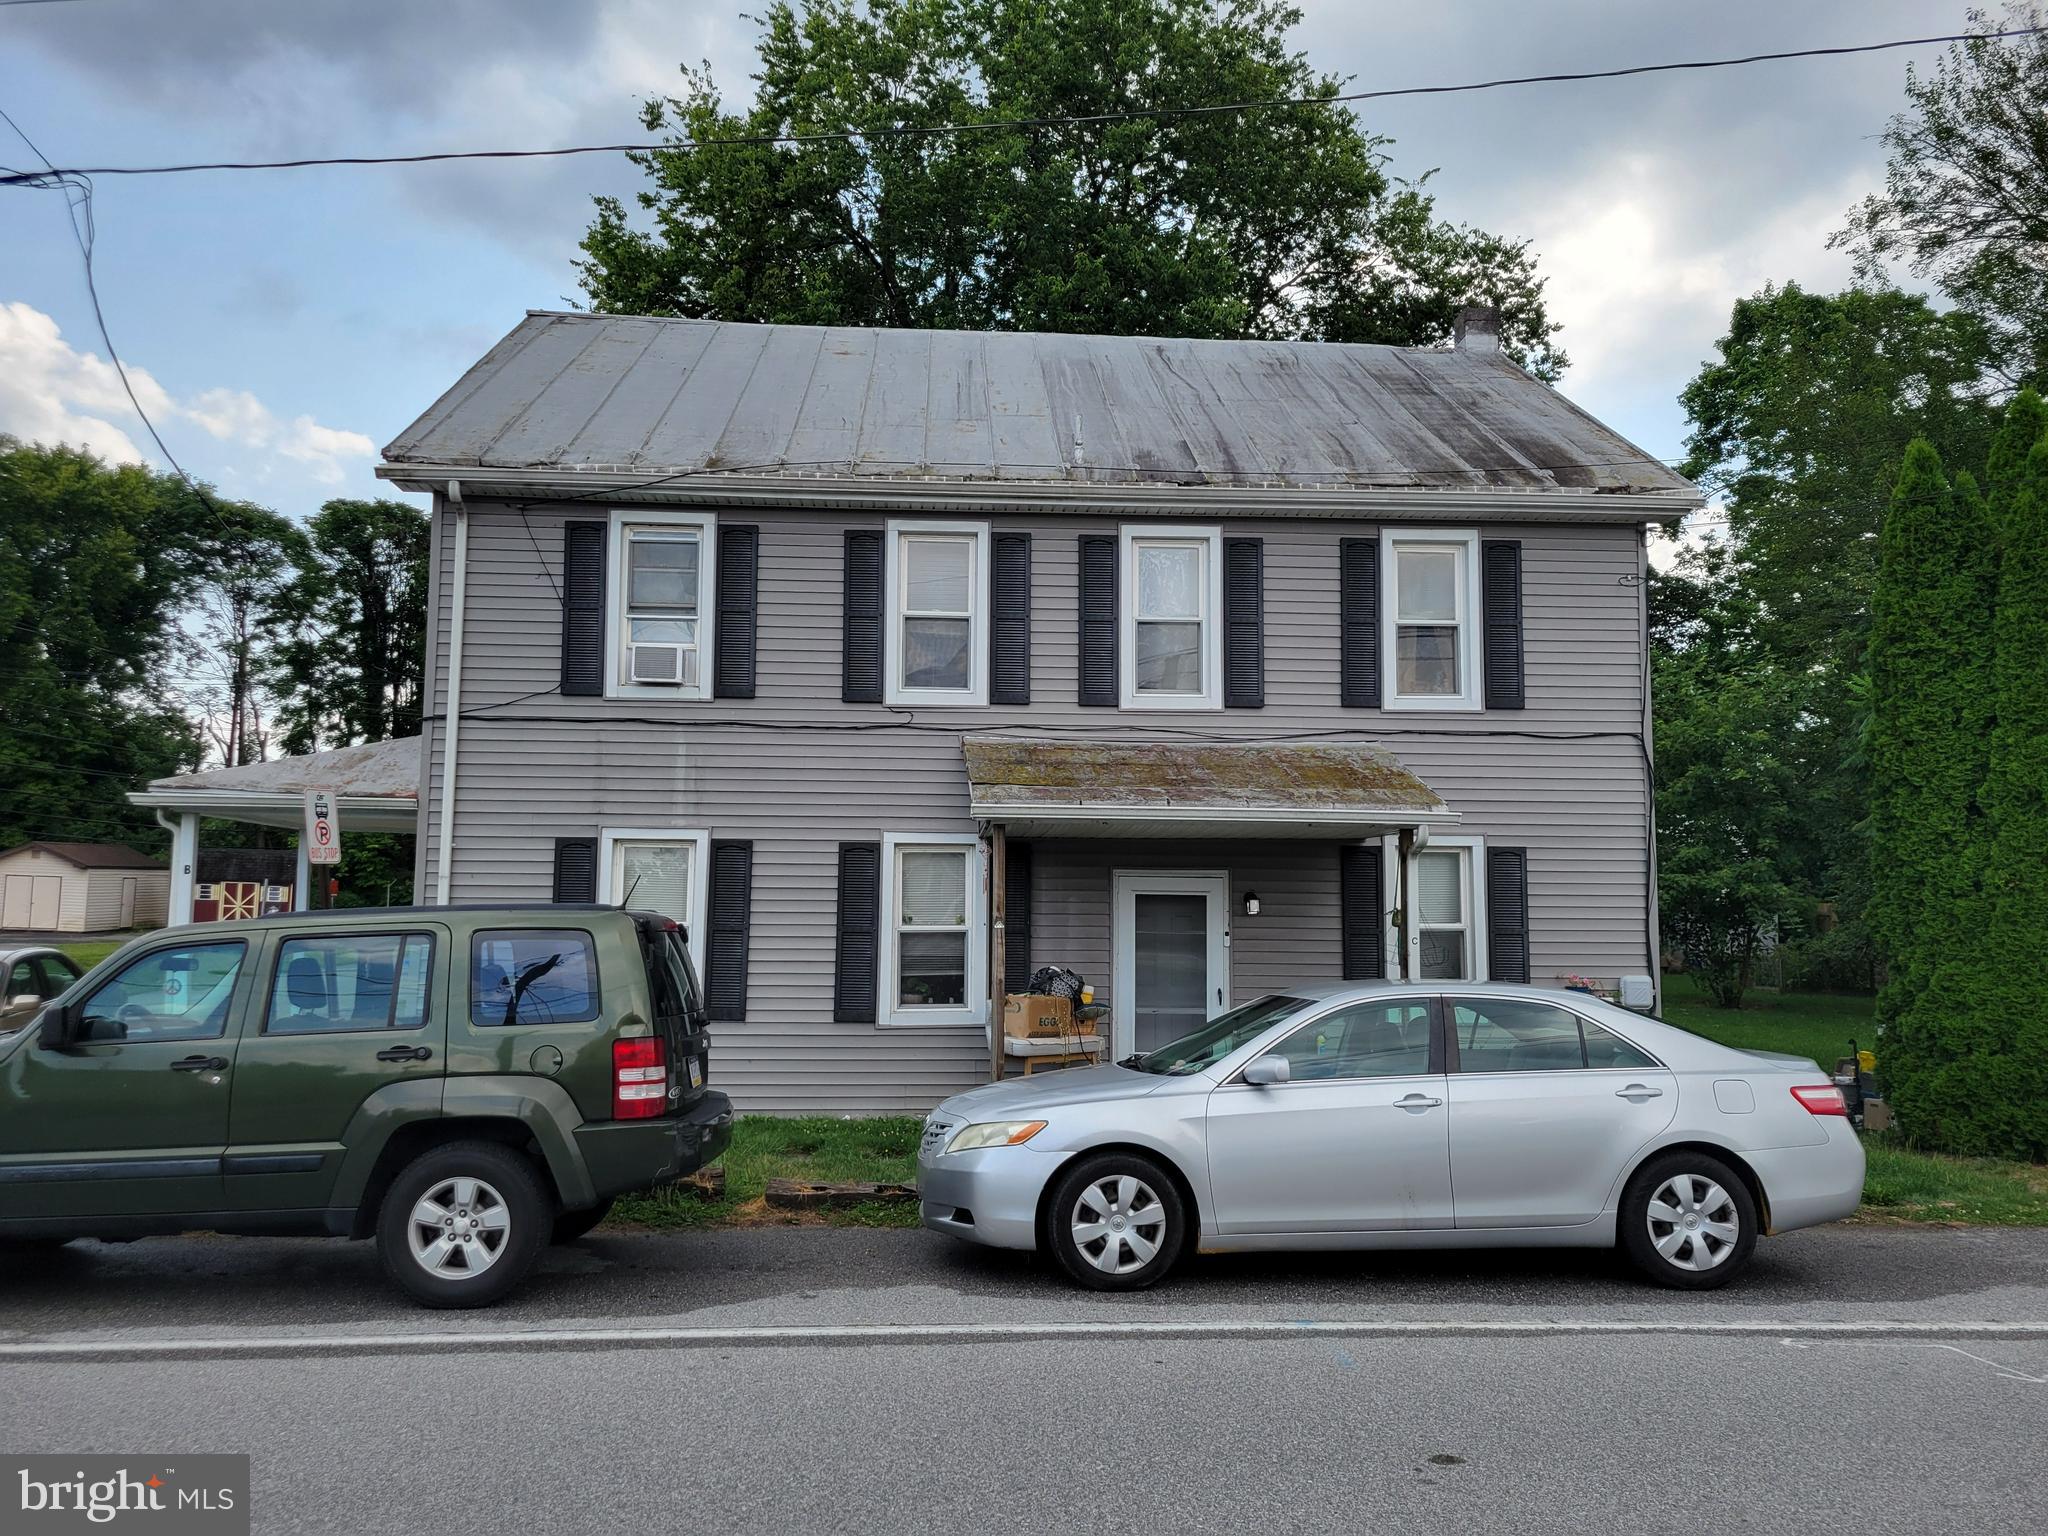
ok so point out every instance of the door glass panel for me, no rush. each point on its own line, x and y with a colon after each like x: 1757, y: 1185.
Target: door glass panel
x: 58, y: 974
x: 1604, y: 1048
x: 173, y: 994
x: 1170, y: 987
x: 1516, y: 1036
x: 1363, y: 1040
x: 21, y: 979
x: 348, y: 982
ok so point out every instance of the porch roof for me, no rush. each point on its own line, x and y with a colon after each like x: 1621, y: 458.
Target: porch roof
x: 375, y: 788
x: 1324, y: 790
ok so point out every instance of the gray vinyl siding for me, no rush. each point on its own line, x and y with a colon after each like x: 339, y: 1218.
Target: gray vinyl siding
x: 784, y: 770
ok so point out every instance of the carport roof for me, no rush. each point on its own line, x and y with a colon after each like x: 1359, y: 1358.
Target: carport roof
x: 375, y: 788
x: 1324, y: 790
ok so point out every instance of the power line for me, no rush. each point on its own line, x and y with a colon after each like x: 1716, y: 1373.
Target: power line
x: 999, y: 125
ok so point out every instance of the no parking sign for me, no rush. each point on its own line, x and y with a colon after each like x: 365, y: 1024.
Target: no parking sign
x: 323, y: 831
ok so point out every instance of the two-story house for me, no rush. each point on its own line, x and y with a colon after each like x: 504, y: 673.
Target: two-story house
x: 896, y: 664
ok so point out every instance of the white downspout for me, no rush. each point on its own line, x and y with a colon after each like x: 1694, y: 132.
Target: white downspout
x: 451, y: 710
x: 184, y: 864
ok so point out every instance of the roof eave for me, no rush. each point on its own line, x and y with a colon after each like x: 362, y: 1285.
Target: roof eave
x: 936, y: 494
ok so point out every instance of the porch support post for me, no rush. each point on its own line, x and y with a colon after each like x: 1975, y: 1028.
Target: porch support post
x: 1404, y: 855
x: 998, y: 967
x: 302, y: 879
x: 184, y: 867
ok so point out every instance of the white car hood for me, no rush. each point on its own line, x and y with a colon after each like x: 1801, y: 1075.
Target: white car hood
x: 1022, y: 1098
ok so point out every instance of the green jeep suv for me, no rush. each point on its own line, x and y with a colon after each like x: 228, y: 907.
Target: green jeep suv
x: 465, y: 1084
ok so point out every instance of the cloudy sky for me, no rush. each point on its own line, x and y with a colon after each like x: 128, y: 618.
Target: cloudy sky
x: 281, y: 326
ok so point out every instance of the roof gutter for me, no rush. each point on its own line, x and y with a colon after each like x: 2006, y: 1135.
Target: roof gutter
x: 1199, y: 815
x: 936, y: 493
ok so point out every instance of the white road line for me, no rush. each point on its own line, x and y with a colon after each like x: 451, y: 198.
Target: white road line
x: 1999, y: 1367
x: 788, y: 1335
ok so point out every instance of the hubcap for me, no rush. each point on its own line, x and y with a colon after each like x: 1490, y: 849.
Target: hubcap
x: 1693, y: 1222
x: 458, y: 1228
x: 1118, y: 1224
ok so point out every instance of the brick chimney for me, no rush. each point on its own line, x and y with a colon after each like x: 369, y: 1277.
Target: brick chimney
x: 1477, y: 330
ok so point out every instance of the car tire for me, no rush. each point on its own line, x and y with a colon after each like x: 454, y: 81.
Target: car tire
x: 1105, y: 1214
x: 570, y: 1225
x: 462, y: 1224
x: 1688, y: 1221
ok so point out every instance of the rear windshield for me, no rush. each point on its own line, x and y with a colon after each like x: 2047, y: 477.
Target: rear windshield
x: 532, y: 976
x: 670, y: 973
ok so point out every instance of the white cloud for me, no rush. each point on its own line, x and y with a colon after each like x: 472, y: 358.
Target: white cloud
x: 51, y: 392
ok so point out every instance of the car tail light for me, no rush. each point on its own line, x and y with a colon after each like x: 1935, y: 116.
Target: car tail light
x: 1821, y: 1099
x: 639, y: 1079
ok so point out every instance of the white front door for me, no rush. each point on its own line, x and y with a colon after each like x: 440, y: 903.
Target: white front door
x: 1172, y: 956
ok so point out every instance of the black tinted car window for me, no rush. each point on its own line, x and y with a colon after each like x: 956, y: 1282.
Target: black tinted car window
x: 532, y: 976
x: 350, y: 982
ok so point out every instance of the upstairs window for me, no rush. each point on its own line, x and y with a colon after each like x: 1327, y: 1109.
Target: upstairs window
x: 661, y: 595
x: 1171, y: 639
x: 1430, y: 598
x: 937, y: 613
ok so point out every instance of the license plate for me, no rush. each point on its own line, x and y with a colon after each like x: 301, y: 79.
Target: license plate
x: 696, y: 1073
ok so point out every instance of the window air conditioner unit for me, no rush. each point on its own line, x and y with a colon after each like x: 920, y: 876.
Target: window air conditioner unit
x: 661, y: 664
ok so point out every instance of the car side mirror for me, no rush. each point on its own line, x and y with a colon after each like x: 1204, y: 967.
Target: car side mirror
x: 24, y: 1000
x: 1268, y: 1069
x: 59, y: 1028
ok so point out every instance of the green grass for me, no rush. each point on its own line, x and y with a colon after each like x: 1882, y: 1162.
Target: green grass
x: 91, y: 952
x: 1815, y: 1024
x: 817, y: 1147
x: 1905, y: 1185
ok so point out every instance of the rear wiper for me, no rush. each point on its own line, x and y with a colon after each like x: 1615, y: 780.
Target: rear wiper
x: 1135, y: 1061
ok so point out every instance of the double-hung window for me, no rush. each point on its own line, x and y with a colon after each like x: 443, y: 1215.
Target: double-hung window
x: 1447, y: 909
x: 935, y: 969
x: 659, y: 869
x: 1430, y: 598
x: 1171, y: 635
x: 937, y: 608
x: 661, y: 604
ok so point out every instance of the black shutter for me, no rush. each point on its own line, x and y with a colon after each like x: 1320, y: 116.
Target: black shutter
x: 1244, y: 623
x: 1016, y: 917
x: 1358, y: 604
x: 1009, y: 631
x: 860, y: 665
x: 1361, y: 896
x: 1500, y: 594
x: 575, y: 869
x: 583, y: 647
x: 1098, y: 621
x: 739, y: 584
x: 726, y: 929
x: 1507, y: 914
x: 860, y: 919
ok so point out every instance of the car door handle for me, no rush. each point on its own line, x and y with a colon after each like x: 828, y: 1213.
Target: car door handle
x: 1417, y: 1101
x: 406, y: 1053
x: 200, y: 1064
x: 1637, y: 1093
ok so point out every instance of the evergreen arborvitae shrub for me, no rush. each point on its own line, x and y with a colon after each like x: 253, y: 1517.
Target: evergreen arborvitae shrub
x: 2008, y: 1070
x: 1930, y: 650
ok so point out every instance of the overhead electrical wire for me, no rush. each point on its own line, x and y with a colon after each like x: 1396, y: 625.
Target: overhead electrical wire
x: 1011, y: 124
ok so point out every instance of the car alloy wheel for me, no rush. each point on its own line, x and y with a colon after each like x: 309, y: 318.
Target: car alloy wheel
x: 1693, y: 1222
x: 1118, y: 1224
x: 458, y: 1228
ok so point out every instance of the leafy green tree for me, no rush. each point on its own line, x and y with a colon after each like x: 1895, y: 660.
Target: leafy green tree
x: 94, y: 564
x: 1277, y: 223
x: 1999, y: 1080
x: 1966, y: 187
x: 1930, y: 668
x: 350, y: 650
x: 248, y: 556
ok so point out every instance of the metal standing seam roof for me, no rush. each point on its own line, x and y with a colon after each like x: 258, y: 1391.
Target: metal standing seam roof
x: 635, y: 395
x: 1312, y: 781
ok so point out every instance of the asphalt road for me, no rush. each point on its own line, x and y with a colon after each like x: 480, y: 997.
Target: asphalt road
x: 1794, y: 1425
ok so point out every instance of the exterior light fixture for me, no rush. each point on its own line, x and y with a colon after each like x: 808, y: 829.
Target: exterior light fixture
x: 1251, y: 903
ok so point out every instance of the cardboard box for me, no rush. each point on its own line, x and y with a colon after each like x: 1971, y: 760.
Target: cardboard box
x: 1028, y: 1016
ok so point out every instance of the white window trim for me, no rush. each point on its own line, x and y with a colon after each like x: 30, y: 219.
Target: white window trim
x: 1128, y: 538
x: 893, y: 1015
x: 608, y: 840
x: 706, y: 526
x: 1472, y: 695
x: 975, y: 695
x: 1475, y: 905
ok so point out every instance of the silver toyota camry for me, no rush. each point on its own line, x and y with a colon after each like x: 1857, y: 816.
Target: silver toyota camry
x: 1400, y: 1116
